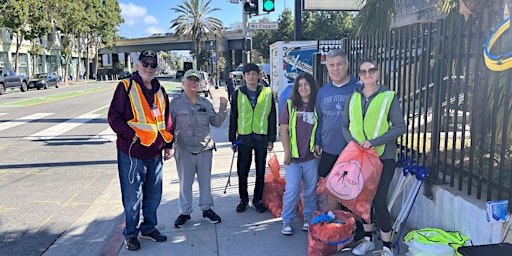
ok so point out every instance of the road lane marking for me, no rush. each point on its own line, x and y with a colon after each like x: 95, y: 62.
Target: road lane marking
x: 92, y: 181
x: 106, y: 135
x: 4, y: 209
x: 61, y: 128
x: 45, y: 99
x: 22, y: 120
x: 44, y: 223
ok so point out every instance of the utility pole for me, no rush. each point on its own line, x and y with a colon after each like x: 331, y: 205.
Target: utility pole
x: 298, y: 20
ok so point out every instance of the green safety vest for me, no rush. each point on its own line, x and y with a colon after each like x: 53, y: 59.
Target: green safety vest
x: 293, y: 131
x: 437, y: 236
x: 375, y: 121
x: 254, y: 120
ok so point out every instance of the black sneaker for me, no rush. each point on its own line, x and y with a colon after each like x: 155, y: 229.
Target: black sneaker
x: 258, y: 206
x: 211, y: 216
x: 181, y: 220
x: 241, y: 206
x: 132, y: 244
x: 155, y: 236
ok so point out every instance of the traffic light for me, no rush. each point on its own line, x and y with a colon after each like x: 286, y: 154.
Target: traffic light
x: 251, y: 7
x: 268, y: 5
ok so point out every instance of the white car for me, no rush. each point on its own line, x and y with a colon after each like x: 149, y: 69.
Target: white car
x: 205, y: 83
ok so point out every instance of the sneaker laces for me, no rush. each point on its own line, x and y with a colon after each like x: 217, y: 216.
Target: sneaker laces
x: 383, y: 252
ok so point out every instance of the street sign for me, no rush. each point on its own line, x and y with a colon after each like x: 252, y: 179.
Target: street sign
x: 267, y: 25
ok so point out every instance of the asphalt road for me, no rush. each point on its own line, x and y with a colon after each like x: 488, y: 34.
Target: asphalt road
x: 57, y: 156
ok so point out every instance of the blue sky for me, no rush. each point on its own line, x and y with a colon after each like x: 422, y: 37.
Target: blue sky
x: 146, y: 17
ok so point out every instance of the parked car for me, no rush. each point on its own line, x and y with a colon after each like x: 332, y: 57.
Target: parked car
x: 9, y: 79
x: 179, y: 74
x: 205, y: 83
x: 124, y: 75
x: 43, y: 81
x: 238, y: 75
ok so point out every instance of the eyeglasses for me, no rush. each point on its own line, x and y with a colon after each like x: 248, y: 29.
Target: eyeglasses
x: 145, y: 64
x: 371, y: 71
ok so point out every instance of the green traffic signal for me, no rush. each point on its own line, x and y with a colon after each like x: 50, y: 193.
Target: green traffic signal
x: 268, y: 5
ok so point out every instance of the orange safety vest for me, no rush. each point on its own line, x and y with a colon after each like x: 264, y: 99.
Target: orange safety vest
x: 145, y: 124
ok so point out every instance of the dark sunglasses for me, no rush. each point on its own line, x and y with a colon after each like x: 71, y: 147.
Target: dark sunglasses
x: 371, y: 71
x: 145, y: 64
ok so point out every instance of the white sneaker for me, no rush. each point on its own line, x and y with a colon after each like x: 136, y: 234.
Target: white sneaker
x: 287, y: 229
x: 363, y: 247
x: 386, y: 252
x: 305, y: 227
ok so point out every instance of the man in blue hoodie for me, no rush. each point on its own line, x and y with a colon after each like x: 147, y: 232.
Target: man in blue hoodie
x: 330, y: 101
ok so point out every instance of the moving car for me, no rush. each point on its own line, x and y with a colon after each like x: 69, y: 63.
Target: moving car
x: 124, y: 75
x: 43, y: 81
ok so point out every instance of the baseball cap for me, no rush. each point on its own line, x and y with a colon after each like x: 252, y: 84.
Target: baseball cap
x: 148, y: 54
x: 192, y: 72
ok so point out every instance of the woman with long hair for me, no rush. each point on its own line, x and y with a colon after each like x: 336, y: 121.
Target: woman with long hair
x: 298, y: 122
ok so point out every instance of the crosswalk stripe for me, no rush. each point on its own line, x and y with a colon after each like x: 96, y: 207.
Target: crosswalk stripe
x: 61, y: 128
x: 1, y: 114
x: 22, y: 120
x: 106, y: 135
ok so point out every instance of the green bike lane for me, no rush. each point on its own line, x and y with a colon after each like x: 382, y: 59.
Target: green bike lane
x: 170, y: 87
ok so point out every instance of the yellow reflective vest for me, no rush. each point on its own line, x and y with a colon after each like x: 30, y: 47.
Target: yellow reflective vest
x: 254, y: 120
x: 375, y: 121
x: 292, y: 130
x: 145, y: 124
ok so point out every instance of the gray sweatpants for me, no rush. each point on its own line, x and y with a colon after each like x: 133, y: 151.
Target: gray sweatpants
x: 188, y: 165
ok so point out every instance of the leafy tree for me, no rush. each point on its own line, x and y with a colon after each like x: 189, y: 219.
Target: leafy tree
x: 195, y: 24
x: 15, y: 17
x: 326, y: 25
x: 104, y: 24
x: 70, y: 22
x: 39, y: 23
x: 262, y: 39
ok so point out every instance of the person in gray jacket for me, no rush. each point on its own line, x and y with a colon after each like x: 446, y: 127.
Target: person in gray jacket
x: 192, y: 116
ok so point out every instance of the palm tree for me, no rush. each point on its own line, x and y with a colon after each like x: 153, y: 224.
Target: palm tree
x: 195, y: 24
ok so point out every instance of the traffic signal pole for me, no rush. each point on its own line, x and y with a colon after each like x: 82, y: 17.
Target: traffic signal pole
x: 246, y: 57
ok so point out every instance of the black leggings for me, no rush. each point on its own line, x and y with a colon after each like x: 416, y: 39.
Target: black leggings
x: 380, y: 205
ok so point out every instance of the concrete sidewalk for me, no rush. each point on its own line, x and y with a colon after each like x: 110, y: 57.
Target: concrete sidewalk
x: 247, y: 233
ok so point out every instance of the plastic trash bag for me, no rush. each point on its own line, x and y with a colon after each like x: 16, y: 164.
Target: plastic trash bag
x: 354, y: 179
x: 327, y: 238
x: 273, y: 190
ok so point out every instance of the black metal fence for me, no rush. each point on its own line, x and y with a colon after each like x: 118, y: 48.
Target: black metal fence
x: 457, y: 111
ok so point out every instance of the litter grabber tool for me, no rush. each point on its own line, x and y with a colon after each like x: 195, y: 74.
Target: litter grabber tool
x: 408, y: 175
x: 235, y: 146
x: 401, y: 221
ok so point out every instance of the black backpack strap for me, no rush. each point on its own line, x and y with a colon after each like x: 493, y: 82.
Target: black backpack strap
x: 129, y: 87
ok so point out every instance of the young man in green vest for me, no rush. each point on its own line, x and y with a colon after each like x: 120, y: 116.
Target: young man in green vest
x: 253, y: 121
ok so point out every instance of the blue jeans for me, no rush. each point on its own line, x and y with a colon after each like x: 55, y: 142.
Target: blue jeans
x: 140, y: 178
x: 295, y: 172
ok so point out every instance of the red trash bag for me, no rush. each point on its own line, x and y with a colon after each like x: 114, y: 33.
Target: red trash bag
x: 273, y: 189
x: 354, y: 179
x: 328, y: 238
